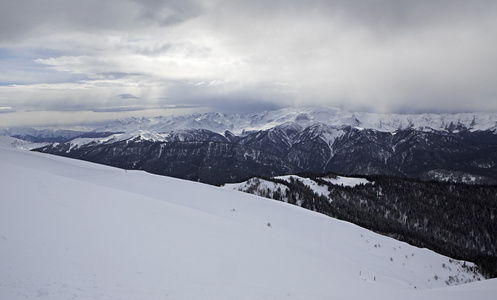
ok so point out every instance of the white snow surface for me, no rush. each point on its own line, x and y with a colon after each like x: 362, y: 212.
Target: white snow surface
x: 8, y: 141
x: 346, y: 181
x: 74, y: 230
x: 339, y: 180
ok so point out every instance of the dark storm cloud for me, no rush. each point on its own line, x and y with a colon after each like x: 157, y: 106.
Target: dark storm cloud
x: 389, y: 15
x: 127, y: 96
x: 21, y: 19
x: 168, y: 12
x: 379, y: 55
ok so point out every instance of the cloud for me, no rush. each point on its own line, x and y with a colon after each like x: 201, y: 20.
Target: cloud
x: 58, y: 17
x: 6, y: 109
x: 384, y: 55
x: 120, y: 109
x: 127, y: 96
x: 238, y: 56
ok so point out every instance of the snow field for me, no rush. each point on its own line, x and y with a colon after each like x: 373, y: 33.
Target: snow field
x: 71, y: 229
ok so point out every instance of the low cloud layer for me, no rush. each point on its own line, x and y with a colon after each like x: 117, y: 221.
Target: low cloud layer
x: 239, y: 56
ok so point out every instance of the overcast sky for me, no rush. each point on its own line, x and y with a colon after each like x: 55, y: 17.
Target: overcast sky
x: 64, y: 61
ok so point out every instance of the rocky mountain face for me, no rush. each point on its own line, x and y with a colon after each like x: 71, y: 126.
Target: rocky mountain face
x: 217, y: 148
x: 463, y: 156
x: 212, y: 162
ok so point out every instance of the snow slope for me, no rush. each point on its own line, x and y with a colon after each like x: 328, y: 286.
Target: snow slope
x: 71, y: 229
x: 7, y: 141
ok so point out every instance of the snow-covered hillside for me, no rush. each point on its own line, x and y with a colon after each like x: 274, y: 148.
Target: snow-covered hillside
x: 8, y: 141
x: 70, y: 229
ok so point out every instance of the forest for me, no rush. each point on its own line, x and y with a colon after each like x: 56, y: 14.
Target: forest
x: 454, y: 219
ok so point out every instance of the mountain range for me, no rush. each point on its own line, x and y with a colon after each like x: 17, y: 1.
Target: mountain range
x: 218, y: 148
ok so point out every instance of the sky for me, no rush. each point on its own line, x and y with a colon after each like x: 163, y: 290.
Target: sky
x: 68, y: 61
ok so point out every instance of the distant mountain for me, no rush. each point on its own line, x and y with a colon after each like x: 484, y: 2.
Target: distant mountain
x: 453, y: 147
x: 49, y: 135
x: 305, y: 117
x: 217, y: 148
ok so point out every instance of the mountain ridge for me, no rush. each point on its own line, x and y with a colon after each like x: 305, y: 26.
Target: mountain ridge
x: 458, y: 147
x: 238, y: 123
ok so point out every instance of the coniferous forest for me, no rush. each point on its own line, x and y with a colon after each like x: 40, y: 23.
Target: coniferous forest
x: 457, y: 220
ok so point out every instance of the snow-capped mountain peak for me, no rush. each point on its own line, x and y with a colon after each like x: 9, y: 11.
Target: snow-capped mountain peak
x: 306, y: 116
x: 295, y: 139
